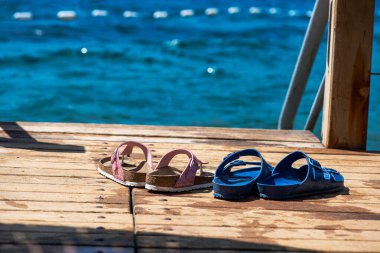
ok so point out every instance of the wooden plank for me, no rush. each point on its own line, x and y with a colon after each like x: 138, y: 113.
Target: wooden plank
x: 74, y: 171
x: 214, y: 156
x: 54, y: 180
x: 18, y: 137
x: 75, y: 238
x: 198, y: 210
x: 46, y: 146
x: 89, y: 141
x: 166, y: 250
x: 209, y: 200
x: 50, y: 217
x: 187, y: 242
x: 67, y: 171
x: 350, y: 172
x: 258, y: 232
x: 67, y: 226
x: 267, y: 219
x: 87, y: 171
x: 94, y: 151
x: 172, y: 200
x: 159, y: 131
x: 68, y: 197
x: 357, y: 191
x: 78, y: 182
x: 353, y: 192
x: 110, y: 189
x: 28, y: 248
x: 345, y: 114
x: 46, y: 206
x: 87, y: 166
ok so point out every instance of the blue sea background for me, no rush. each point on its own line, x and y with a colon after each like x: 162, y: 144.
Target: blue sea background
x: 226, y: 70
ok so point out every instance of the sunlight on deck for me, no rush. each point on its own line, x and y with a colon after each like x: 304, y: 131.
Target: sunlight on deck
x: 52, y: 199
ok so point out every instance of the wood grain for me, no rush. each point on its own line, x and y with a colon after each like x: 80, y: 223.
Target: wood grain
x: 28, y: 248
x: 345, y: 110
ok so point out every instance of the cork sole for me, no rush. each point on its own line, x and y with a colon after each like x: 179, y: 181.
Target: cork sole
x: 125, y: 183
x: 130, y: 166
x: 172, y: 189
x: 164, y: 180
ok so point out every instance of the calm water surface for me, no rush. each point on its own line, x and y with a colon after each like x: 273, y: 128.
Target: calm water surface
x: 226, y: 70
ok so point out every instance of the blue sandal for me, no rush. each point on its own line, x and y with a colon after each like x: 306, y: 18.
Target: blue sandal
x: 241, y: 183
x: 287, y: 182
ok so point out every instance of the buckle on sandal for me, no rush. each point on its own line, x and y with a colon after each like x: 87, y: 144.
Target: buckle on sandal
x: 238, y: 163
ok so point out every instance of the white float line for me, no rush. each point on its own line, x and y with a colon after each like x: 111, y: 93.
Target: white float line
x: 130, y: 14
x: 233, y: 10
x: 70, y: 15
x: 66, y: 15
x: 99, y: 13
x: 211, y: 11
x: 254, y: 10
x: 23, y: 15
x: 160, y: 14
x: 186, y: 13
x: 273, y: 11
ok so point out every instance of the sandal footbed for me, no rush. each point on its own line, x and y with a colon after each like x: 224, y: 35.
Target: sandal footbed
x: 134, y: 171
x: 168, y: 176
x: 291, y: 185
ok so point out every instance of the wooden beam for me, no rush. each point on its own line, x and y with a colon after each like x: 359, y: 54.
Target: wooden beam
x: 345, y: 113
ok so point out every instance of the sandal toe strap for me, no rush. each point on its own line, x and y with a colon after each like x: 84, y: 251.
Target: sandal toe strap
x: 187, y: 177
x: 117, y: 168
x: 231, y: 160
x: 316, y: 171
x: 326, y: 174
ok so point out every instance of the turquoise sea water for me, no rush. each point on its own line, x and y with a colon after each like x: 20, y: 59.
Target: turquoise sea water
x: 226, y: 70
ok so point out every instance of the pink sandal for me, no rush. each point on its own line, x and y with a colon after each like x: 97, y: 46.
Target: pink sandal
x: 128, y: 171
x: 165, y: 178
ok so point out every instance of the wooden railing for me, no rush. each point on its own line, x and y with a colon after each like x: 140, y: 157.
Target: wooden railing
x: 345, y: 113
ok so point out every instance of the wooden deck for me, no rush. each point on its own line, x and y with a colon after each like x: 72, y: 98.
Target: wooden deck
x: 53, y: 200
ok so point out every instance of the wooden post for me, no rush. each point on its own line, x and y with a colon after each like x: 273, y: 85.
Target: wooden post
x: 345, y: 112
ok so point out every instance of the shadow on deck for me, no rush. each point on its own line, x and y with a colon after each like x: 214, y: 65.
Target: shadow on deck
x: 21, y: 139
x: 41, y: 238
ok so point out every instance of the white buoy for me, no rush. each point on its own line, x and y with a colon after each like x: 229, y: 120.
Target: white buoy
x: 309, y: 13
x: 23, y: 15
x: 186, y: 13
x: 233, y: 10
x: 254, y: 10
x: 130, y: 14
x: 211, y: 11
x: 99, y: 13
x: 273, y: 10
x: 160, y: 14
x: 211, y: 71
x: 83, y: 50
x: 292, y: 13
x: 66, y: 15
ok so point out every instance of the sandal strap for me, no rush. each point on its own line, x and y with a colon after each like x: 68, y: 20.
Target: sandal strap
x: 187, y: 176
x: 231, y: 160
x: 316, y: 171
x: 117, y: 168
